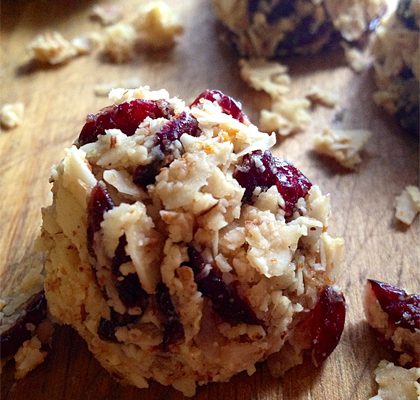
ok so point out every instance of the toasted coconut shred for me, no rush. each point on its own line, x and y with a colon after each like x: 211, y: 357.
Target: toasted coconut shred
x: 276, y: 263
x: 396, y: 382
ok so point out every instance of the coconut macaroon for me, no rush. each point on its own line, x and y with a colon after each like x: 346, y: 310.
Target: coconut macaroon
x: 397, y: 64
x: 265, y: 28
x: 395, y: 317
x: 182, y: 250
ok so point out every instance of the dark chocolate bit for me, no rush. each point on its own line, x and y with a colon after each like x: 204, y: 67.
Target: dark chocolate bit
x: 264, y: 170
x: 13, y: 338
x: 173, y: 329
x: 99, y: 202
x: 327, y: 323
x: 108, y: 327
x: 171, y: 132
x: 402, y: 309
x: 228, y: 104
x: 126, y: 116
x: 225, y: 299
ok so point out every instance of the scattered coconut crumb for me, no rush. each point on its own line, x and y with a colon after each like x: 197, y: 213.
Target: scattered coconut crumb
x: 358, y: 60
x: 106, y: 14
x: 322, y: 97
x: 28, y: 357
x: 157, y: 25
x: 11, y: 114
x: 343, y: 145
x: 407, y: 204
x: 269, y: 76
x: 286, y: 116
x: 119, y: 42
x: 103, y: 89
x: 396, y: 383
x: 52, y: 48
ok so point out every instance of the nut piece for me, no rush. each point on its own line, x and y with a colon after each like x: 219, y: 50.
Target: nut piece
x: 343, y: 145
x: 103, y: 89
x: 119, y: 42
x: 52, y: 48
x: 11, y: 114
x: 157, y: 25
x: 407, y: 204
x: 396, y: 382
x: 287, y: 115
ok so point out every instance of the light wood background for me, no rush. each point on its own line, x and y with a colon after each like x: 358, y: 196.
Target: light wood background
x: 57, y: 101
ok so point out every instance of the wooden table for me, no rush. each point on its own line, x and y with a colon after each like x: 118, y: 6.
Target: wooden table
x: 57, y: 101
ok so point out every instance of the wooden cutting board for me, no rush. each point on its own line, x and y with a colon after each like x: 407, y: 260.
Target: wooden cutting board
x: 57, y: 100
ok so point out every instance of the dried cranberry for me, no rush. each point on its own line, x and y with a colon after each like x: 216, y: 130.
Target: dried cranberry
x: 406, y: 15
x: 264, y: 170
x: 131, y: 293
x: 120, y: 256
x: 99, y: 202
x: 107, y: 327
x: 146, y: 174
x: 402, y: 309
x: 125, y: 116
x: 171, y: 132
x: 173, y: 329
x: 228, y: 105
x: 35, y: 313
x: 327, y: 323
x: 225, y: 298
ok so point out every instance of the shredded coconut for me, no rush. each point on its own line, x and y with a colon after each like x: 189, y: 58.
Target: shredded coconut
x: 28, y: 357
x: 322, y: 97
x: 52, y: 48
x: 119, y: 42
x: 103, y: 89
x: 157, y: 25
x: 11, y: 114
x: 397, y: 382
x: 343, y: 145
x: 106, y: 14
x: 407, y: 204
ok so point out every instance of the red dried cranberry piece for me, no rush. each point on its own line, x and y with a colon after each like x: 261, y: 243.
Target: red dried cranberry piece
x: 327, y: 323
x: 125, y: 116
x: 225, y: 298
x: 402, y: 309
x: 120, y: 256
x: 228, y: 105
x: 265, y: 170
x: 35, y: 313
x: 173, y: 329
x: 146, y: 174
x: 107, y: 327
x: 172, y: 131
x: 99, y: 202
x: 183, y: 123
x: 131, y: 293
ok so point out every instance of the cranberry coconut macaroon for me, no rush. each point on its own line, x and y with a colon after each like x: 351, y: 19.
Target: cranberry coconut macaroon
x: 395, y: 317
x: 274, y: 28
x: 182, y: 250
x: 397, y: 64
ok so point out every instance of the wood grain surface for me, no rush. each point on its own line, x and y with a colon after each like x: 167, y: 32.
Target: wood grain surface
x: 57, y: 100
